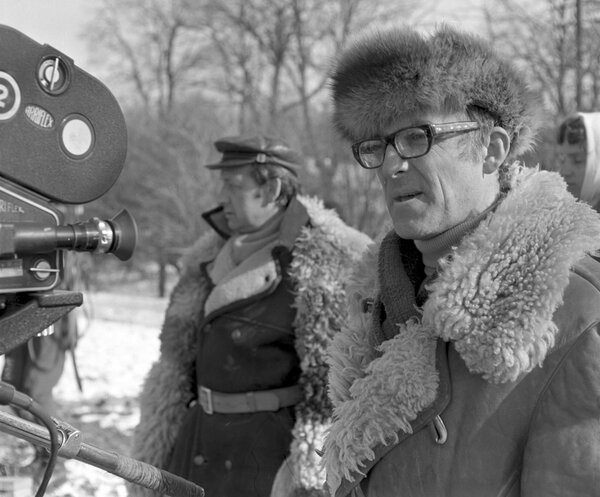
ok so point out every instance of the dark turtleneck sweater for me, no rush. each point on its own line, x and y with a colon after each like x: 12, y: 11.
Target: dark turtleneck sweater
x: 440, y: 246
x: 398, y: 300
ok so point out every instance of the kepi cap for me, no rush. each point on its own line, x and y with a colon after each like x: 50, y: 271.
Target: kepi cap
x: 243, y: 151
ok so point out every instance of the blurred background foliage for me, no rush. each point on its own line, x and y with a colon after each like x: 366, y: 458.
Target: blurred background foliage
x: 187, y: 72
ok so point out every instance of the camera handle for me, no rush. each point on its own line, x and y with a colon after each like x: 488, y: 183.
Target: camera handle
x: 25, y: 315
x: 72, y: 447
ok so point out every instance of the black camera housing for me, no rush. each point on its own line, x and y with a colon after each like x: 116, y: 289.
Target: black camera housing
x: 63, y: 140
x: 21, y: 272
x: 62, y: 132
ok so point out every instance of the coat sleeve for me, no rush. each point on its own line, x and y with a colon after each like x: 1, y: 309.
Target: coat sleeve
x: 562, y: 456
x: 168, y: 387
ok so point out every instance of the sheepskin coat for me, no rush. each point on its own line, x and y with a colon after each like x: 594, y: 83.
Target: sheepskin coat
x: 493, y: 388
x: 292, y: 303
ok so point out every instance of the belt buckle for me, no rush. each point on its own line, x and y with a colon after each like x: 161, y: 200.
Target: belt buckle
x: 206, y: 393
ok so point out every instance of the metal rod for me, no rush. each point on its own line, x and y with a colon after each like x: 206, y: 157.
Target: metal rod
x: 71, y: 447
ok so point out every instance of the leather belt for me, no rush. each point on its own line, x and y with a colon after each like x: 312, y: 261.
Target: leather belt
x: 259, y: 400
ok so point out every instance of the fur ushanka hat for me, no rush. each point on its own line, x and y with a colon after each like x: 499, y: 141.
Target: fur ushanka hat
x: 385, y: 74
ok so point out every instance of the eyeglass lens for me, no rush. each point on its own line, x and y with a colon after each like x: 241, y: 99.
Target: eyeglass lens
x: 409, y: 143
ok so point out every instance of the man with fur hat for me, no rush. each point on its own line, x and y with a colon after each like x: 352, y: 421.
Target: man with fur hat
x: 470, y: 365
x: 241, y: 381
x: 579, y: 156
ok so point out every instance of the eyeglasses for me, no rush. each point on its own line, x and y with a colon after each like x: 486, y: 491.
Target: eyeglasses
x: 409, y: 143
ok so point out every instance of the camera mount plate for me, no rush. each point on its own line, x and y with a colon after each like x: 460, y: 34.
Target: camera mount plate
x: 31, y: 313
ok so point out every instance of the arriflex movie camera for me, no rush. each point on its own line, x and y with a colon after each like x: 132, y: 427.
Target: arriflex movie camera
x: 62, y: 140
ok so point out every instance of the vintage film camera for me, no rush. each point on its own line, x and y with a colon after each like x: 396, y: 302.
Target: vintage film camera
x: 63, y: 140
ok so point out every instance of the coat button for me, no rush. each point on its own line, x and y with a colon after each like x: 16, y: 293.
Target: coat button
x: 228, y: 465
x: 236, y: 334
x: 199, y: 460
x: 207, y: 328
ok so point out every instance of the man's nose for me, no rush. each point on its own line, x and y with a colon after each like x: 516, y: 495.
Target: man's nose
x: 393, y: 164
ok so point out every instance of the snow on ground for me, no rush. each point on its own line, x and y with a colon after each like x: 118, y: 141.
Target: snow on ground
x: 117, y: 347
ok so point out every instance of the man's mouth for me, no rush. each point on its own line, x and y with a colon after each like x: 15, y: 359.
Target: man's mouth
x: 406, y: 196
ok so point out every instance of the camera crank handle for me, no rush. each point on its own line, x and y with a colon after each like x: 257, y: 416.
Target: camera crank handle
x: 151, y: 477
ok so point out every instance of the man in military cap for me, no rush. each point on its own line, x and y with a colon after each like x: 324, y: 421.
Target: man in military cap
x: 240, y: 386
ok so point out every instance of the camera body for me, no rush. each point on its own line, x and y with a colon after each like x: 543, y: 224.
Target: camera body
x: 26, y: 271
x: 62, y: 133
x: 63, y: 140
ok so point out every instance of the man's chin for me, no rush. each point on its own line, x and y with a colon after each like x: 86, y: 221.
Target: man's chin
x: 409, y: 223
x: 411, y: 230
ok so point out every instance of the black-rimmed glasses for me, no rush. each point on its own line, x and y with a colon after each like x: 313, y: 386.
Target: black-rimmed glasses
x: 409, y: 143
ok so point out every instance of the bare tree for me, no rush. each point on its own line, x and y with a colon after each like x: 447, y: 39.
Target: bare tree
x: 150, y: 54
x: 157, y: 65
x: 190, y: 71
x: 543, y: 38
x: 282, y: 51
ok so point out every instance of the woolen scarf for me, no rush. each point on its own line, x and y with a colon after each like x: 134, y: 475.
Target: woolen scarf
x: 241, y: 246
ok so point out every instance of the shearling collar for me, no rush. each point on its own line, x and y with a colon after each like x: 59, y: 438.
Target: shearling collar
x: 494, y: 299
x: 260, y: 271
x: 325, y: 220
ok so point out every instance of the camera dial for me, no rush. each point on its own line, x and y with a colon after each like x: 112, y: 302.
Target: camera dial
x: 53, y: 75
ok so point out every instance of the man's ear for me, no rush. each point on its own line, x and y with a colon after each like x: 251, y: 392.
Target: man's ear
x: 497, y: 150
x: 272, y: 189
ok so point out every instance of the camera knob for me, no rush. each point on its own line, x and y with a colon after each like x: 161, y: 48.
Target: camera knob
x: 42, y: 269
x: 53, y: 75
